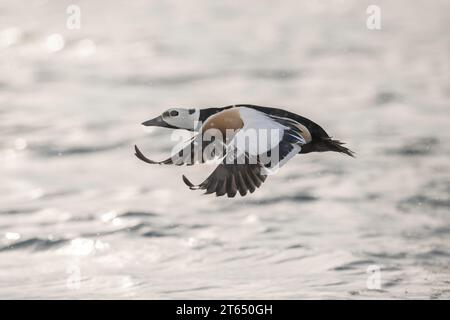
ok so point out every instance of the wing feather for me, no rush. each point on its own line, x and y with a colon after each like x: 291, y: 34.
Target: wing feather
x: 230, y: 179
x: 189, y: 154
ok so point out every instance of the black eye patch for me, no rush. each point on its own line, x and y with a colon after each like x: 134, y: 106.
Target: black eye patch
x: 191, y: 111
x: 173, y: 113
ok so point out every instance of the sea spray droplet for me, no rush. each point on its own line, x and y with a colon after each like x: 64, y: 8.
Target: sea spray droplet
x: 9, y: 37
x: 12, y: 235
x: 20, y: 144
x: 86, y: 48
x: 55, y: 42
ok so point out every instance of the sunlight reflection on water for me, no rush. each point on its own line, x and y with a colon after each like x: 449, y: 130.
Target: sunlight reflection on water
x: 76, y: 202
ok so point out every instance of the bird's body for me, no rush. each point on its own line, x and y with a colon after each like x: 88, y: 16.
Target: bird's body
x: 250, y: 142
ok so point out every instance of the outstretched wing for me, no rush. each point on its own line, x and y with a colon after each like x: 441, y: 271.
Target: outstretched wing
x: 188, y: 155
x: 231, y: 178
x: 141, y: 156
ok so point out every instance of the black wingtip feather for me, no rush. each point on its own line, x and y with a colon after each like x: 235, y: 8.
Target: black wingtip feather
x: 221, y: 188
x: 188, y: 183
x: 231, y: 187
x: 141, y: 156
x: 229, y: 180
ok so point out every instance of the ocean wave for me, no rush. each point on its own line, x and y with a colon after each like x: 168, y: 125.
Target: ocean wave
x: 34, y: 244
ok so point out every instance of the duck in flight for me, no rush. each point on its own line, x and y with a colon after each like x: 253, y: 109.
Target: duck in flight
x: 243, y: 164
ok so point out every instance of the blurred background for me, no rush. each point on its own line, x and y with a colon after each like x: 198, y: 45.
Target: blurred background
x: 81, y: 217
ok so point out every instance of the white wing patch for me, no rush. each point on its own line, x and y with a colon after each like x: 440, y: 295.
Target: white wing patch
x: 257, y: 124
x: 268, y: 131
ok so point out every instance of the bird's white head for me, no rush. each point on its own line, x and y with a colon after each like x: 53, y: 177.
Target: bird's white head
x: 176, y: 118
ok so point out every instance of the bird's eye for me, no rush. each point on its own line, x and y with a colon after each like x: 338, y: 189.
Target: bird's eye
x: 173, y: 113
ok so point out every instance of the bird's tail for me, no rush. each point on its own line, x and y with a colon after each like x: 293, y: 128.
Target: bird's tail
x: 337, y: 146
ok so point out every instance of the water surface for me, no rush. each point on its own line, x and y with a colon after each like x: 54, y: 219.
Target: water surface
x: 81, y: 217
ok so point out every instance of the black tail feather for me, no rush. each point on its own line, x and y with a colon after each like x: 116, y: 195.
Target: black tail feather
x: 337, y: 146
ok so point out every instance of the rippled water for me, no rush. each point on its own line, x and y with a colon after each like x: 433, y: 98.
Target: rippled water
x: 75, y: 204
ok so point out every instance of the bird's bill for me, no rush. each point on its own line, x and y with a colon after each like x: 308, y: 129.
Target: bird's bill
x: 156, y: 122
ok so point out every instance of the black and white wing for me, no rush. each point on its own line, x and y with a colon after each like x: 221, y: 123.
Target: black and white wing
x: 232, y: 177
x: 191, y: 153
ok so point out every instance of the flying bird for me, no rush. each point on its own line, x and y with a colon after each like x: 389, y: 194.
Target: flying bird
x: 243, y: 164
